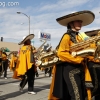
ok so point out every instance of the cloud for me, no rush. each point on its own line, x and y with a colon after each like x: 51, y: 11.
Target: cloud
x: 63, y: 4
x: 42, y: 18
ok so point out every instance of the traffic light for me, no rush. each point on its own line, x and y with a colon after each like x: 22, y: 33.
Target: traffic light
x: 2, y: 39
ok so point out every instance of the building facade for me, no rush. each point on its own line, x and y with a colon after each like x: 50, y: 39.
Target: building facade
x: 11, y: 46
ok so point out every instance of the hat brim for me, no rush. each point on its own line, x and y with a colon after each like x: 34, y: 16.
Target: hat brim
x: 12, y: 52
x: 86, y: 17
x: 30, y: 36
x: 92, y: 32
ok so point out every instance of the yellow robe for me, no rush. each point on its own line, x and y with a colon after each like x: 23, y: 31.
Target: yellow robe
x: 24, y: 61
x: 4, y: 56
x: 12, y: 62
x: 50, y: 96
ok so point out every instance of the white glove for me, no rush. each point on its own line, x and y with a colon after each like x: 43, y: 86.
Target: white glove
x: 38, y: 62
x: 73, y: 54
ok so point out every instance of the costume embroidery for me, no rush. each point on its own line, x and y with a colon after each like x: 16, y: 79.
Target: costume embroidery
x: 88, y: 85
x: 24, y: 51
x: 74, y: 84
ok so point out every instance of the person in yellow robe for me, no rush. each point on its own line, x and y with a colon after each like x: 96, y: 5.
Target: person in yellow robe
x: 68, y: 82
x: 93, y: 63
x: 13, y: 60
x: 25, y: 67
x: 36, y: 71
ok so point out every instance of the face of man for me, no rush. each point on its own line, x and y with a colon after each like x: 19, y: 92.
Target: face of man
x: 28, y: 42
x: 77, y: 24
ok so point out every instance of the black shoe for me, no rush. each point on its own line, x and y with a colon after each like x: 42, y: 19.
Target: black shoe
x: 37, y: 75
x: 20, y: 89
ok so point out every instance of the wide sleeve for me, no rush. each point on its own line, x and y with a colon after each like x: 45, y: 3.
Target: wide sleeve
x: 4, y: 56
x: 63, y: 51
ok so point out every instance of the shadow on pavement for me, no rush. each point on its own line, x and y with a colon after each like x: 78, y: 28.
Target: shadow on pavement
x: 12, y: 95
x: 42, y: 77
x: 40, y: 88
x: 17, y: 93
x: 7, y: 82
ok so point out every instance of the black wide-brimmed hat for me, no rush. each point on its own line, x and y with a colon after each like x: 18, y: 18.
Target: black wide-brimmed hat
x: 30, y: 36
x: 85, y: 16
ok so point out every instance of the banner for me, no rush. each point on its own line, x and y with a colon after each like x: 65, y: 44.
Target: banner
x: 44, y: 36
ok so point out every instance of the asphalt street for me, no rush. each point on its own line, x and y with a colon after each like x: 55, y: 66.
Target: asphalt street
x: 9, y: 88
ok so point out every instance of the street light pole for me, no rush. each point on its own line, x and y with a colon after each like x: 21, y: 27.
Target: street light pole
x: 27, y: 17
x: 29, y: 24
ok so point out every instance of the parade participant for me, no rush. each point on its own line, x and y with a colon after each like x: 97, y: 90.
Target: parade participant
x: 5, y: 63
x: 68, y: 81
x: 93, y: 64
x: 47, y: 49
x: 13, y: 60
x: 94, y: 68
x: 46, y: 60
x: 1, y: 65
x: 36, y: 72
x: 26, y: 66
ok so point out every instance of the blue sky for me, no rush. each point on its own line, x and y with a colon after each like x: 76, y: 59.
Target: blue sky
x: 43, y: 14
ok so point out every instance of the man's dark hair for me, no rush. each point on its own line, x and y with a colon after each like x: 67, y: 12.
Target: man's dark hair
x: 26, y: 41
x: 68, y: 26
